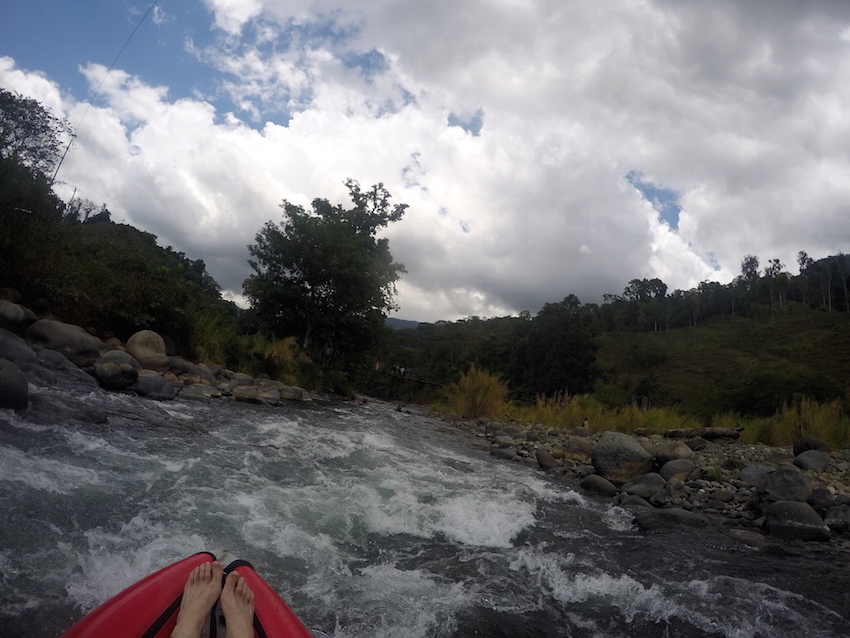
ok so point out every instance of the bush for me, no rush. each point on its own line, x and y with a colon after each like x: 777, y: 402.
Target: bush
x: 478, y: 393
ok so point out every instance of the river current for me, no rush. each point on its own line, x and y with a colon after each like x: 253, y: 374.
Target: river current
x: 370, y: 523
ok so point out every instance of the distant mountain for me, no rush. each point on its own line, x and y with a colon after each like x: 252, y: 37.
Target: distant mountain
x: 401, y: 324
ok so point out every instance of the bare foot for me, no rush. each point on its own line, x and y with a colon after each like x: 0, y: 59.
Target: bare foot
x: 237, y: 603
x: 199, y: 595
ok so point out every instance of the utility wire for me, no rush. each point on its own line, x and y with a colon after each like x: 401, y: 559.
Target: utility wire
x: 97, y: 90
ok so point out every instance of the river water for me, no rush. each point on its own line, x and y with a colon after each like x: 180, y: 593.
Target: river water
x: 370, y: 523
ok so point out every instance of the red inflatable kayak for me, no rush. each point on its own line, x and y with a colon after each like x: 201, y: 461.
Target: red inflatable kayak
x: 149, y: 608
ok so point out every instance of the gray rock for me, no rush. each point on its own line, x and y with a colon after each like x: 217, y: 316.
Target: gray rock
x: 795, y: 520
x: 785, y: 483
x: 814, y: 460
x: 724, y: 496
x: 13, y: 348
x: 72, y: 341
x: 199, y: 392
x: 148, y: 348
x: 697, y: 444
x: 504, y: 453
x: 152, y: 385
x: 55, y: 360
x: 580, y: 430
x: 12, y: 316
x: 838, y: 518
x: 14, y: 391
x: 821, y: 499
x: 596, y: 484
x: 237, y: 380
x: 619, y: 458
x: 116, y: 370
x: 546, y: 461
x: 669, y: 518
x: 246, y: 393
x: 679, y: 469
x: 632, y: 501
x: 754, y: 474
x: 50, y: 408
x: 38, y: 375
x: 292, y: 393
x: 579, y: 449
x: 645, y: 485
x: 673, y: 452
x: 504, y: 441
x: 809, y: 443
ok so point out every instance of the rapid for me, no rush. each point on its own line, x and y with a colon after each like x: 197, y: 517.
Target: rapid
x: 370, y: 523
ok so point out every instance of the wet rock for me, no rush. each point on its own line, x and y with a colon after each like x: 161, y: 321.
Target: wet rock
x: 116, y: 370
x: 579, y: 449
x: 814, y: 460
x: 785, y: 483
x: 503, y: 441
x: 724, y: 496
x: 504, y: 453
x: 754, y: 474
x: 152, y: 385
x: 38, y: 375
x: 838, y: 518
x: 670, y: 518
x: 13, y: 348
x: 546, y: 460
x: 72, y: 341
x: 12, y: 317
x: 581, y: 430
x: 821, y: 499
x: 680, y: 469
x: 809, y: 443
x: 199, y: 392
x: 645, y: 485
x: 596, y: 484
x: 632, y: 501
x: 247, y: 393
x: 292, y: 393
x: 49, y: 408
x: 673, y: 452
x: 619, y: 458
x: 55, y: 360
x: 148, y: 348
x: 14, y: 392
x: 795, y: 520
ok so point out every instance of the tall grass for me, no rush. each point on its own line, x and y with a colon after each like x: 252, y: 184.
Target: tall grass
x: 826, y: 421
x: 477, y: 393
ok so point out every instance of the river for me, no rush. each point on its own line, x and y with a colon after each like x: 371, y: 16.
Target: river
x: 370, y: 523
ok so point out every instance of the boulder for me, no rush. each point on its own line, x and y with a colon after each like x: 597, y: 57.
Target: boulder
x: 151, y: 384
x: 546, y: 461
x: 669, y: 518
x: 199, y: 392
x: 838, y: 518
x: 10, y: 294
x: 821, y: 499
x: 503, y: 453
x: 14, y: 391
x: 579, y: 449
x: 645, y: 485
x: 116, y: 370
x: 15, y: 349
x: 270, y: 396
x: 148, y: 348
x: 785, y: 483
x: 809, y: 443
x: 633, y: 500
x: 12, y: 317
x: 595, y: 484
x: 72, y: 341
x: 678, y: 468
x: 54, y: 360
x: 38, y: 376
x: 248, y: 393
x: 754, y: 474
x: 697, y: 444
x: 186, y: 369
x: 795, y: 520
x: 814, y: 460
x: 292, y: 393
x: 673, y: 452
x: 619, y: 458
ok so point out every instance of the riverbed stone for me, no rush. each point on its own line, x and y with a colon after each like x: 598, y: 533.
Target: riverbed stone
x: 116, y: 370
x: 645, y: 485
x: 786, y: 483
x: 619, y: 458
x: 633, y: 500
x: 148, y: 348
x: 838, y: 518
x: 12, y: 317
x: 13, y: 348
x: 199, y: 392
x: 546, y: 461
x: 152, y: 385
x: 806, y: 443
x: 795, y: 520
x: 14, y: 391
x: 578, y: 449
x: 669, y: 518
x: 596, y: 484
x: 680, y: 469
x: 814, y: 460
x: 504, y: 453
x: 292, y: 393
x: 754, y: 474
x: 72, y: 341
x: 673, y: 452
x: 247, y: 393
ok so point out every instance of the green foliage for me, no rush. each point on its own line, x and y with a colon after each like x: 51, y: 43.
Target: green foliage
x: 29, y: 133
x: 477, y: 393
x: 765, y: 393
x: 826, y: 421
x: 324, y: 277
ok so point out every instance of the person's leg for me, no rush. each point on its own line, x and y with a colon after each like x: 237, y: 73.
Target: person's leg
x: 237, y: 603
x: 199, y: 595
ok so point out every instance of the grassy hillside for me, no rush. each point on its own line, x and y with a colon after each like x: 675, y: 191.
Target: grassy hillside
x: 702, y: 369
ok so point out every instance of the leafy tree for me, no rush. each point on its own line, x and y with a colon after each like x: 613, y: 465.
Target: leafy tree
x: 323, y: 275
x: 29, y: 132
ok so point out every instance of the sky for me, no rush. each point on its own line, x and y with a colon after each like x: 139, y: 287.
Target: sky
x: 544, y: 148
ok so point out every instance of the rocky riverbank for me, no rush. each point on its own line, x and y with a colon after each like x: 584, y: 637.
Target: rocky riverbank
x: 759, y: 492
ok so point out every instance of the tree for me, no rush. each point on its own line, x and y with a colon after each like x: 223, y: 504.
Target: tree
x: 323, y: 276
x: 29, y: 133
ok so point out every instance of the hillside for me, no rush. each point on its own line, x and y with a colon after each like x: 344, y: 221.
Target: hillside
x: 713, y: 366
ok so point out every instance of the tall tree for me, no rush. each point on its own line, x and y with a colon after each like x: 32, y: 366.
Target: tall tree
x: 323, y: 275
x: 29, y: 133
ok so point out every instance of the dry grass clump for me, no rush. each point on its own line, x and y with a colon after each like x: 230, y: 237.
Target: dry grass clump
x: 477, y: 393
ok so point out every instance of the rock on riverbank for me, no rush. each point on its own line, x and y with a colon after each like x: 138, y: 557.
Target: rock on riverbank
x: 801, y: 493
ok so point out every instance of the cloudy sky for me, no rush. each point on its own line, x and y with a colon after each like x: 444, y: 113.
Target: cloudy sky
x: 544, y: 147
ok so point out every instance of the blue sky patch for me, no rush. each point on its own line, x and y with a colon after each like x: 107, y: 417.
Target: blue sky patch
x: 664, y: 200
x: 471, y: 123
x: 369, y: 64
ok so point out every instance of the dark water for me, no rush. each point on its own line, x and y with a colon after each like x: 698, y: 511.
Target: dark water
x: 370, y: 523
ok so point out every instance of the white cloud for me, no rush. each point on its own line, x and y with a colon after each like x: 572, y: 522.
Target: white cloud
x: 742, y: 109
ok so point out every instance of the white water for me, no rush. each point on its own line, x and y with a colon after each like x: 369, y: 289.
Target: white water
x: 367, y: 521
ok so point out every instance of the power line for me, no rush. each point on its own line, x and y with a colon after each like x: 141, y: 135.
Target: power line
x: 97, y: 90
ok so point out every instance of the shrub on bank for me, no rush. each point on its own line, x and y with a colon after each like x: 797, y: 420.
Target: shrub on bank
x: 477, y: 393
